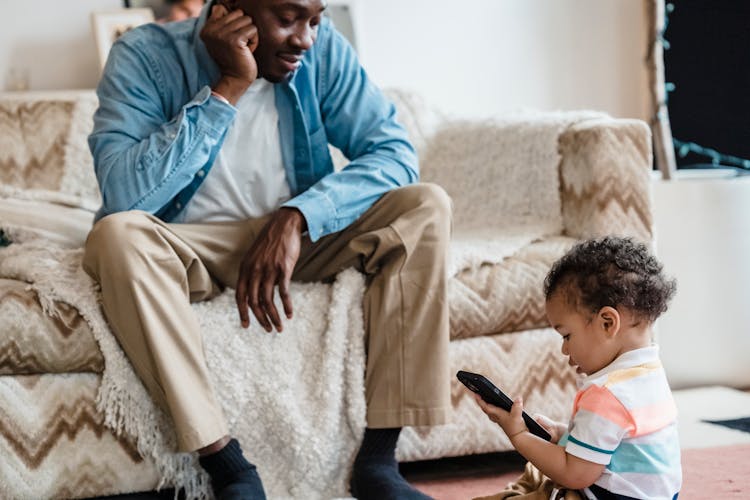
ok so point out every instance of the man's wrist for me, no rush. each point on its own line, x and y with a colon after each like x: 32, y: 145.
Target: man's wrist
x: 220, y: 97
x: 298, y: 216
x: 230, y: 88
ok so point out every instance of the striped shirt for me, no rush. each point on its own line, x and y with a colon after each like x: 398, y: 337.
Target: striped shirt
x: 624, y: 417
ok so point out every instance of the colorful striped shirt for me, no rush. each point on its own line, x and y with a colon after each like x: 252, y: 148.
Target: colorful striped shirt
x: 624, y: 417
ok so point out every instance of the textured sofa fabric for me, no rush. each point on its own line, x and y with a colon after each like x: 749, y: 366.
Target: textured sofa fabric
x: 43, y: 144
x: 55, y: 443
x: 546, y: 179
x: 37, y: 340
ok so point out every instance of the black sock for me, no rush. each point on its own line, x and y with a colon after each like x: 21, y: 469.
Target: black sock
x: 229, y: 470
x: 379, y: 444
x: 375, y: 475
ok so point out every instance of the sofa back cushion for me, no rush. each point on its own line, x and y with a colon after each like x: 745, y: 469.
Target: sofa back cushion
x: 498, y: 173
x: 43, y: 143
x: 502, y: 173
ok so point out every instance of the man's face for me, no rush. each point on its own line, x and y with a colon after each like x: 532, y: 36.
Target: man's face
x: 286, y: 29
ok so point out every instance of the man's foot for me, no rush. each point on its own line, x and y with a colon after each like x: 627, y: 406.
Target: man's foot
x: 248, y: 487
x: 232, y: 476
x: 382, y: 481
x: 375, y: 475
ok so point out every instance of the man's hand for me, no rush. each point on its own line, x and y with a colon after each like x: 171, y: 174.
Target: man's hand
x: 511, y: 422
x: 231, y: 38
x: 270, y: 263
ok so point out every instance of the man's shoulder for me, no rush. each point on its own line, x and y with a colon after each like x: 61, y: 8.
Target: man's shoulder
x: 330, y: 55
x: 159, y: 53
x: 329, y: 38
x: 160, y: 40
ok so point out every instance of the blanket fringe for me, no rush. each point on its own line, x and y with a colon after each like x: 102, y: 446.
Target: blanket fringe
x: 57, y: 276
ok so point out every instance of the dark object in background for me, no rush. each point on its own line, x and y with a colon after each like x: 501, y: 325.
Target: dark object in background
x: 709, y: 63
x: 739, y: 424
x: 169, y: 10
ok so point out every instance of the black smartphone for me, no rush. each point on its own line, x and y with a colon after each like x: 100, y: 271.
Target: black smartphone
x: 494, y: 396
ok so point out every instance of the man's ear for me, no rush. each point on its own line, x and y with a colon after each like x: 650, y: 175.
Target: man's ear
x: 608, y: 319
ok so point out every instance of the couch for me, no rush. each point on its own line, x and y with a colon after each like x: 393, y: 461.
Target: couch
x: 525, y: 187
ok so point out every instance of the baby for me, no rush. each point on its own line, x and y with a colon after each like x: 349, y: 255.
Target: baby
x: 603, y: 297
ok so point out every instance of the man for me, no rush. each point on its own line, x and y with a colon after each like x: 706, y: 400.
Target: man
x: 211, y: 151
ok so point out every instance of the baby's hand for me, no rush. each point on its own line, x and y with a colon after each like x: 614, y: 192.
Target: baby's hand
x: 511, y: 422
x: 555, y: 429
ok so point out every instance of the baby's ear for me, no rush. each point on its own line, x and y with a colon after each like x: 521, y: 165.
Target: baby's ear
x: 609, y: 320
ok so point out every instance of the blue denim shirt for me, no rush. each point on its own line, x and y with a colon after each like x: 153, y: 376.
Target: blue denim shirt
x: 158, y: 129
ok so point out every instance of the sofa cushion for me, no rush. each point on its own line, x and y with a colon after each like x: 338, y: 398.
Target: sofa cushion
x: 34, y: 339
x: 504, y: 297
x: 43, y: 143
x: 25, y: 217
x: 527, y: 364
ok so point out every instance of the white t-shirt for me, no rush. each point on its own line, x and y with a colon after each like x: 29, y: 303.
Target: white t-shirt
x: 248, y: 179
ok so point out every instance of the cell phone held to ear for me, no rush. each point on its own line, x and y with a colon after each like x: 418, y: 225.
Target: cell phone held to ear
x: 494, y: 396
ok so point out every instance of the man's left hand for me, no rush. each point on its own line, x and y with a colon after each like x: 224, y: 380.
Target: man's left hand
x: 270, y: 263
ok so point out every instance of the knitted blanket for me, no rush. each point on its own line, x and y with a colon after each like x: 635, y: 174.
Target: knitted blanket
x: 295, y: 400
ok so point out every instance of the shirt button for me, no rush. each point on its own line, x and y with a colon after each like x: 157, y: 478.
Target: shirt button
x: 201, y: 173
x: 178, y: 205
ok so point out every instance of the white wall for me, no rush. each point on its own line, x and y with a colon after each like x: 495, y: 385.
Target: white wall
x: 481, y: 57
x: 470, y: 58
x: 705, y: 334
x: 51, y: 40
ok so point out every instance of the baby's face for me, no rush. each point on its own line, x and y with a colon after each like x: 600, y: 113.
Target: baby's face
x: 584, y: 342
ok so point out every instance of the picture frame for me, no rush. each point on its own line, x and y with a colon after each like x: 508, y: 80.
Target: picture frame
x: 160, y: 8
x: 108, y: 26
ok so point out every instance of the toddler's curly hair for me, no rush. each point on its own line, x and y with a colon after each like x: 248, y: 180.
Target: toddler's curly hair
x: 612, y: 271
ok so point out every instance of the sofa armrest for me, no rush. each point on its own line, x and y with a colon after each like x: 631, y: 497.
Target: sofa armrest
x: 605, y: 178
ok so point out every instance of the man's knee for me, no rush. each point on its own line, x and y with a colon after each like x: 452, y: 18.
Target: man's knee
x: 113, y: 238
x: 423, y: 215
x: 430, y: 197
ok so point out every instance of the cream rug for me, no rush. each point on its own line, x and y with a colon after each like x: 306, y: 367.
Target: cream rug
x: 695, y: 406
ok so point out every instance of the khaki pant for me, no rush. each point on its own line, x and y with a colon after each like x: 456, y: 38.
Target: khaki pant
x: 150, y: 271
x: 533, y: 485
